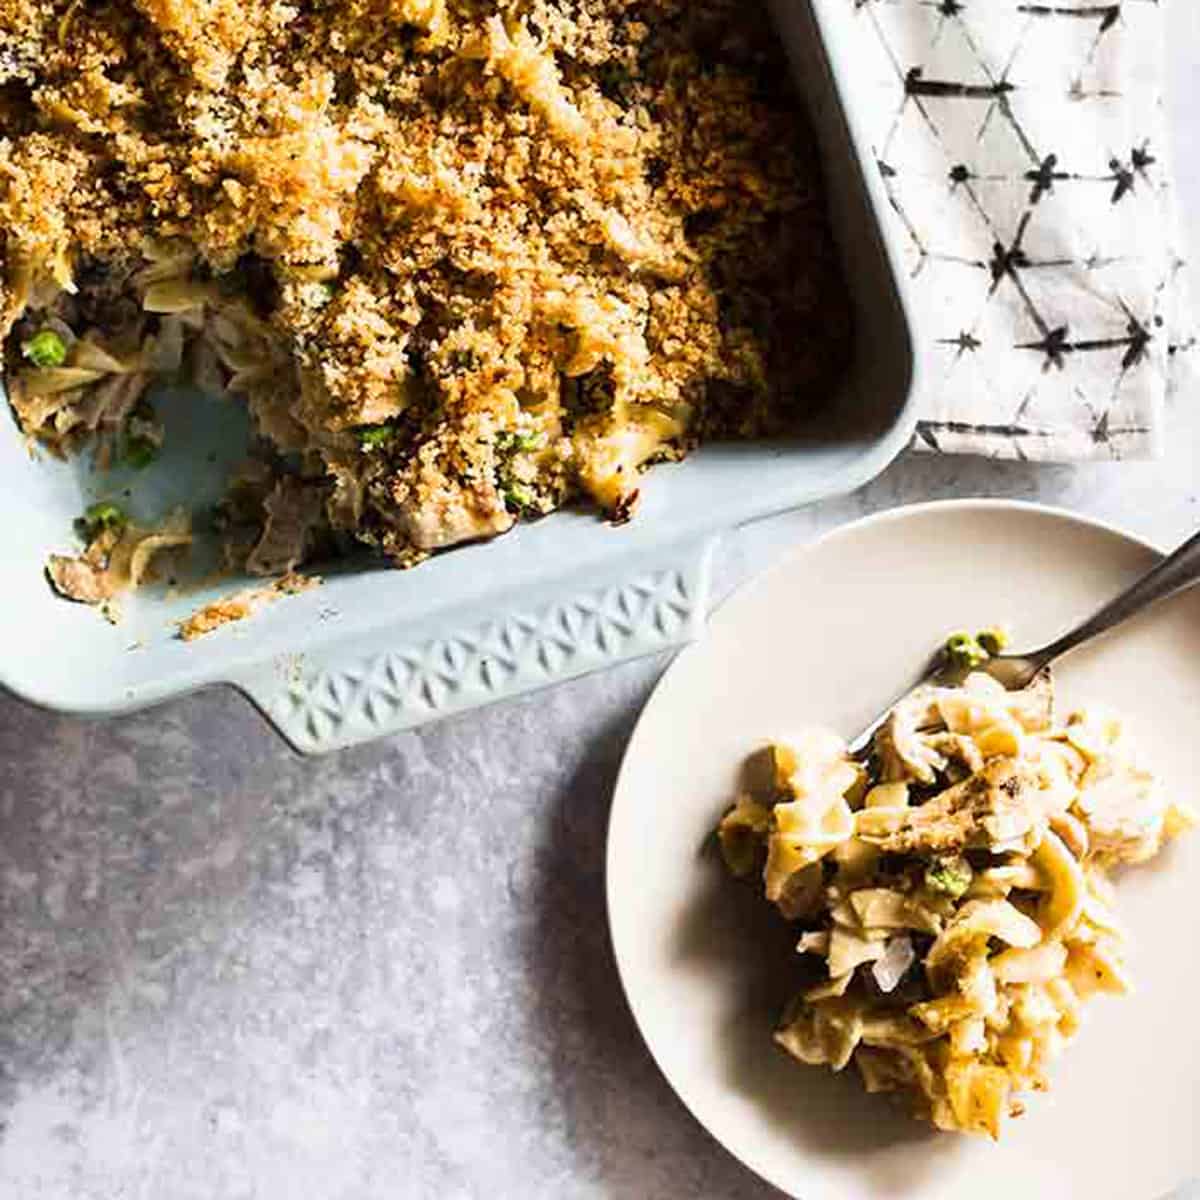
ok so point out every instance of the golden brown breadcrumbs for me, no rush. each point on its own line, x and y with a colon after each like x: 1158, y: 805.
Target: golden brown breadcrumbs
x: 243, y: 604
x: 467, y: 260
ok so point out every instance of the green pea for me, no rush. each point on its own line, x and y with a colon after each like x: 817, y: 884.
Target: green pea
x: 140, y: 452
x: 103, y: 515
x: 964, y: 650
x: 45, y: 349
x: 371, y: 437
x: 949, y: 876
x: 518, y: 497
x: 509, y: 442
x: 993, y: 640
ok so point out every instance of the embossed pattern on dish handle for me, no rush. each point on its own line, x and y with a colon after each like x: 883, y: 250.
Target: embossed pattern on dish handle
x: 351, y: 694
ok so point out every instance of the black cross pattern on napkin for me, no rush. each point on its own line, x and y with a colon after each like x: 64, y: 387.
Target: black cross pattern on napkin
x: 987, y: 97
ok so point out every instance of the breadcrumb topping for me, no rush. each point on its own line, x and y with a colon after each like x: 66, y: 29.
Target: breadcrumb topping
x: 468, y: 259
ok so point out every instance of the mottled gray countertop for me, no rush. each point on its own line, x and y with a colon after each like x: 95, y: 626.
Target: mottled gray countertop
x: 230, y: 974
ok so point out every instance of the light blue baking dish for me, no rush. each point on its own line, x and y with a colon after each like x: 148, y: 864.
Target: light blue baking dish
x: 376, y: 650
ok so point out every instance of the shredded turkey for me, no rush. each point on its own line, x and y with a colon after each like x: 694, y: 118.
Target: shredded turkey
x: 294, y: 511
x: 997, y: 805
x: 117, y: 559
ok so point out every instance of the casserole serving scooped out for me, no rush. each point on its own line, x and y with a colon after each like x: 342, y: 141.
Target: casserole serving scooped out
x: 568, y: 341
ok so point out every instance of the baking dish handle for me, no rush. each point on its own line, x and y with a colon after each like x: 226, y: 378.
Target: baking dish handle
x: 390, y: 680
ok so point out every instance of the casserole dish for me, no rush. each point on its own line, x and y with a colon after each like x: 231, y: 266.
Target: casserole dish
x: 376, y: 650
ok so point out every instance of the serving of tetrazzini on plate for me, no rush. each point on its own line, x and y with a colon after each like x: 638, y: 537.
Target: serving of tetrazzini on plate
x: 954, y: 892
x: 985, y: 920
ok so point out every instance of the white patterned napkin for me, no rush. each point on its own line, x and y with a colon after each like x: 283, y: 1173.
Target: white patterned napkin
x: 1023, y: 145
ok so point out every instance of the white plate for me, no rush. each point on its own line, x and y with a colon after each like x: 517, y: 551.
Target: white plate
x: 826, y: 637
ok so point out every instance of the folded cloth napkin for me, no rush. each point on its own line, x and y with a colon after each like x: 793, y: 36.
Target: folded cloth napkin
x: 1023, y: 149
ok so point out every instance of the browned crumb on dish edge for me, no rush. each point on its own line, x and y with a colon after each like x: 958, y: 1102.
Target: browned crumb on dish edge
x: 465, y: 261
x: 243, y: 604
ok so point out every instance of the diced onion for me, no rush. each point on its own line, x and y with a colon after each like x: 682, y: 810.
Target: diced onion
x: 889, y: 969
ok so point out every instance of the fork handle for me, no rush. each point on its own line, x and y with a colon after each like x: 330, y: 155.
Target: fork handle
x: 1173, y: 574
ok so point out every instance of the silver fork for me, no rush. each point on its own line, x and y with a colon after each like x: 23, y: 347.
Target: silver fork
x: 1176, y: 572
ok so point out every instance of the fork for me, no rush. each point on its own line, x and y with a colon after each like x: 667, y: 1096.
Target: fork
x: 1015, y: 671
